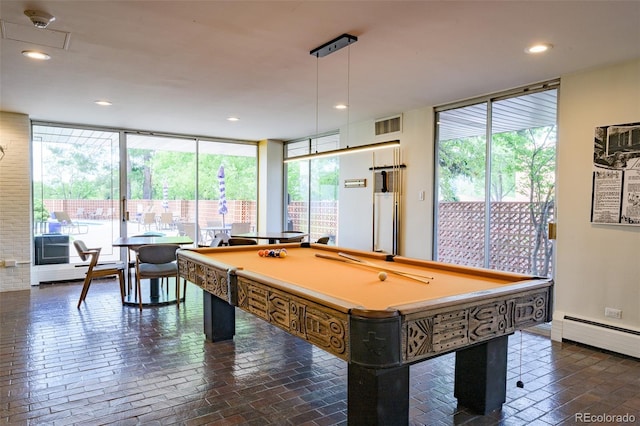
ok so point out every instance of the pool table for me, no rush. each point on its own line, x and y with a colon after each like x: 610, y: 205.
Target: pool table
x: 379, y: 327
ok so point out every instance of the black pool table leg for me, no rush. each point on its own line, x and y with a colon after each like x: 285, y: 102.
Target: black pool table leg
x: 481, y: 376
x: 219, y: 318
x: 378, y: 396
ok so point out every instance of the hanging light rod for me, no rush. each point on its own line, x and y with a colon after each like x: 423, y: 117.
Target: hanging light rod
x: 342, y: 151
x: 336, y: 44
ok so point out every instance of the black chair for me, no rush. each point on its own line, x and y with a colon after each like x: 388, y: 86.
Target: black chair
x: 131, y: 263
x: 241, y: 242
x: 323, y: 240
x: 95, y: 270
x: 293, y: 238
x: 155, y: 261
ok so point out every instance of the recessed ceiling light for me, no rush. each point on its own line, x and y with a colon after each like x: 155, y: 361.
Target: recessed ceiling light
x: 233, y: 119
x: 538, y: 48
x: 103, y: 103
x: 340, y: 106
x: 34, y: 54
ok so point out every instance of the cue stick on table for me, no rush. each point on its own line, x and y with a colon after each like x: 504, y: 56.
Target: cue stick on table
x: 423, y: 279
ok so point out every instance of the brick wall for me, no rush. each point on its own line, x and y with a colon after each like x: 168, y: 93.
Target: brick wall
x: 15, y: 184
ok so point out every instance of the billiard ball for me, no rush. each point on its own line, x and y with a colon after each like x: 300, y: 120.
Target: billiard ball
x: 382, y: 275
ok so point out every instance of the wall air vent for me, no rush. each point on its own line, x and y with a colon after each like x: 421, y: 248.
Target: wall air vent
x: 388, y: 125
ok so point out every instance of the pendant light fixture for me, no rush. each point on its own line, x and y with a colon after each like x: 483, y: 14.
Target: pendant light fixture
x: 345, y: 40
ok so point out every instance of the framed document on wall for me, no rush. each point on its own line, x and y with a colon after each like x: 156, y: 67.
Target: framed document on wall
x: 615, y: 195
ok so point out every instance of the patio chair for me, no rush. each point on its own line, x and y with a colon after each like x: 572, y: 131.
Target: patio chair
x: 166, y: 220
x: 149, y: 219
x: 191, y: 230
x: 156, y: 261
x: 68, y: 226
x: 95, y: 270
x: 98, y: 214
x: 240, y: 228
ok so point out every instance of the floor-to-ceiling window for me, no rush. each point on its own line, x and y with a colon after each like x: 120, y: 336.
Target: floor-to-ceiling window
x: 170, y: 186
x: 312, y: 187
x: 227, y: 184
x: 495, y: 181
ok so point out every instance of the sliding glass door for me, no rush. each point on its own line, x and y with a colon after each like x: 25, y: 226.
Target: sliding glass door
x: 75, y: 195
x: 161, y: 185
x: 495, y: 181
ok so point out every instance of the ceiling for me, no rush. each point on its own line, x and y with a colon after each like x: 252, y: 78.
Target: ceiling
x: 184, y: 67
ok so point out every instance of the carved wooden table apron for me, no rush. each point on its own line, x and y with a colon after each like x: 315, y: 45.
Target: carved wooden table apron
x: 378, y: 327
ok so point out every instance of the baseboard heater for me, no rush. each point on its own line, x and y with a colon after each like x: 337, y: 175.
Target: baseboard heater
x: 605, y: 336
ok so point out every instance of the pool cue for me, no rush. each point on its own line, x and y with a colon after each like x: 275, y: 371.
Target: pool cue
x: 420, y: 278
x: 357, y: 259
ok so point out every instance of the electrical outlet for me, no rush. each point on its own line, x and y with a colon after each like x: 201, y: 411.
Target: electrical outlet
x: 613, y: 313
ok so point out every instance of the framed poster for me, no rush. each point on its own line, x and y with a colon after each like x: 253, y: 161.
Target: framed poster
x: 615, y: 195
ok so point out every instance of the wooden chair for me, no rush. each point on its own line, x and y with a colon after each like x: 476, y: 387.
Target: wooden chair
x: 95, y: 270
x: 155, y: 261
x: 241, y: 241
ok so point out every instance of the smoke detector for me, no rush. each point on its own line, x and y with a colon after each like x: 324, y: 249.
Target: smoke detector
x: 39, y: 19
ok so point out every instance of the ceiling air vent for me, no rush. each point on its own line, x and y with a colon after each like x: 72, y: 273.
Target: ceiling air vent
x: 388, y: 125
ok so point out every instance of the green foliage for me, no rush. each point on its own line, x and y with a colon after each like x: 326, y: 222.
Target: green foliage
x: 461, y: 161
x: 40, y: 213
x: 522, y: 166
x: 72, y: 172
x: 324, y: 176
x: 522, y: 163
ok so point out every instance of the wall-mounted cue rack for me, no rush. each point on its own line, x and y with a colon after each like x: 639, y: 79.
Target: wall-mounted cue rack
x: 387, y: 181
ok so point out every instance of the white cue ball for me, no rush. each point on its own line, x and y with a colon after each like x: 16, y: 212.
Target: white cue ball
x: 382, y: 275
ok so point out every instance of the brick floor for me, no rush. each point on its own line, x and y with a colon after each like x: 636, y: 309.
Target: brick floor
x: 108, y: 364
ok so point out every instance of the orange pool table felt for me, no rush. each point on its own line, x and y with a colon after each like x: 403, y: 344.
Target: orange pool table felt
x: 359, y: 285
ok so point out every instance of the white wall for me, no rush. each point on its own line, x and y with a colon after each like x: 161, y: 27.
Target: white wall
x: 355, y: 228
x: 15, y: 199
x: 598, y: 266
x: 270, y: 179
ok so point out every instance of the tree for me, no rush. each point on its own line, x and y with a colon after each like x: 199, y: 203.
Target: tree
x: 522, y: 166
x: 461, y: 161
